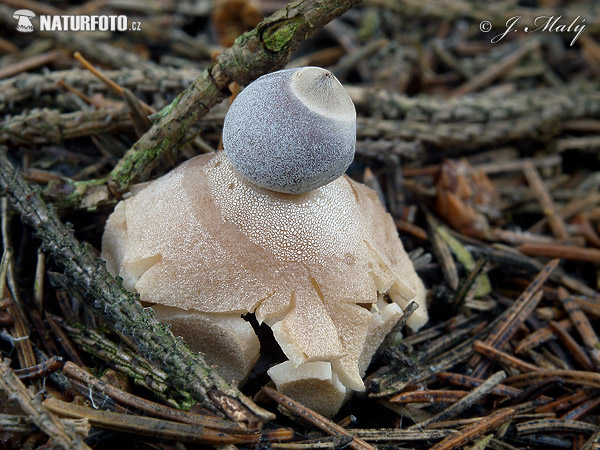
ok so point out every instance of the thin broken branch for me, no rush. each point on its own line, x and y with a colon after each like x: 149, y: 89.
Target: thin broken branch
x: 37, y: 413
x: 264, y: 49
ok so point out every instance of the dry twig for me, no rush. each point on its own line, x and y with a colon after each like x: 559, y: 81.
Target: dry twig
x: 77, y: 373
x: 45, y: 420
x: 515, y: 315
x: 461, y: 405
x: 165, y: 429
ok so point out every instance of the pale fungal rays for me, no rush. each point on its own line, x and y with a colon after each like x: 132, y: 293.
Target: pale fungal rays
x: 309, y: 252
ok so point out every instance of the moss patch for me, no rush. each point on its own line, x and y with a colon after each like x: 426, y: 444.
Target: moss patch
x: 278, y: 36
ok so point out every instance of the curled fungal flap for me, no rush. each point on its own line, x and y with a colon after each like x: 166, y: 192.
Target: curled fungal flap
x: 314, y: 262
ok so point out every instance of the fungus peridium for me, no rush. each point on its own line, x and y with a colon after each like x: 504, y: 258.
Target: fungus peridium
x: 312, y: 254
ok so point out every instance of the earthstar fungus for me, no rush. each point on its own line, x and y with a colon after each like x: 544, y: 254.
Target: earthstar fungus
x: 263, y: 228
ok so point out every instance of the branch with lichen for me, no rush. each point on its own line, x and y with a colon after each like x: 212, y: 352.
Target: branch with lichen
x: 50, y: 127
x: 409, y: 122
x: 26, y: 87
x: 121, y: 309
x: 261, y: 50
x: 264, y: 49
x: 122, y: 359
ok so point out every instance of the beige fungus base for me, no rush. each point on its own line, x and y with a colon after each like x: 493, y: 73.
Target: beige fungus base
x: 312, y: 266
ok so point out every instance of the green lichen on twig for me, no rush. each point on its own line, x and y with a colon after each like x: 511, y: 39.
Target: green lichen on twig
x: 264, y: 49
x: 278, y: 37
x: 170, y: 131
x: 259, y: 51
x: 121, y: 358
x: 88, y: 276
